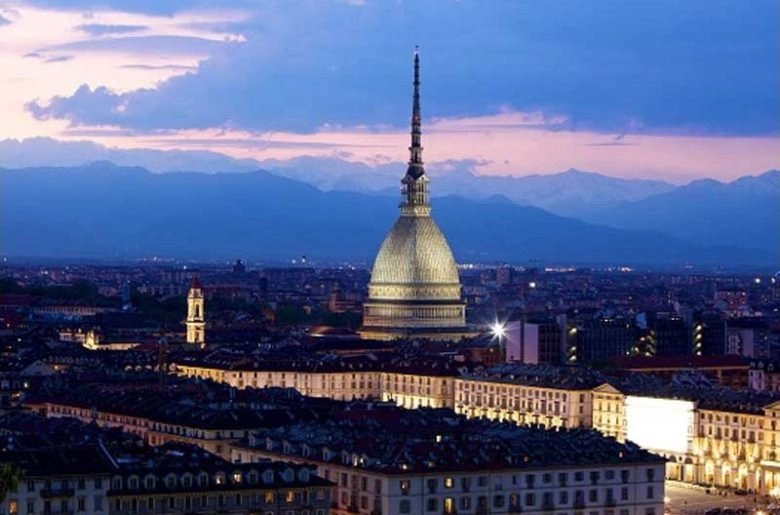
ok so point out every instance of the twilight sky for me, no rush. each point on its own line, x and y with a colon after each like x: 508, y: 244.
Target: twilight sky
x: 663, y: 89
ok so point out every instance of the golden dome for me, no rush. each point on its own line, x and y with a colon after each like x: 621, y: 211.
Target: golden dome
x: 414, y: 262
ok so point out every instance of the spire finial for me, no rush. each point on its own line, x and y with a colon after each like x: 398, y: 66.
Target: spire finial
x: 415, y: 151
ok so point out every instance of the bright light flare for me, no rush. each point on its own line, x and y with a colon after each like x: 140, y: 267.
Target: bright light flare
x: 498, y: 330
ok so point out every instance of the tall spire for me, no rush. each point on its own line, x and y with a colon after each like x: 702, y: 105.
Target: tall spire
x: 415, y: 182
x: 415, y: 150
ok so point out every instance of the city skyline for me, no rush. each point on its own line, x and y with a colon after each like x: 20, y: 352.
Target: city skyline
x: 666, y: 91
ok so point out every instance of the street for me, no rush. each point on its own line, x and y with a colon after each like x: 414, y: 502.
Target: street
x: 692, y: 500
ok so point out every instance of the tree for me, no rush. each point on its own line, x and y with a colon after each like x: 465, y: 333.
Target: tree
x: 10, y: 476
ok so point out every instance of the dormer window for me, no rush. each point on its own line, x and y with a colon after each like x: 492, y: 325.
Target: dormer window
x: 237, y: 476
x: 149, y: 482
x: 268, y: 477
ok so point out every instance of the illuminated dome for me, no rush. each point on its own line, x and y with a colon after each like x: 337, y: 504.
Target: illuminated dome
x: 415, y: 287
x: 414, y: 261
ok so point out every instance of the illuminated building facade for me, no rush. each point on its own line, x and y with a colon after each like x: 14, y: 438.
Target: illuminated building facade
x: 196, y: 317
x: 415, y: 286
x: 713, y: 435
x: 731, y: 444
x: 465, y: 466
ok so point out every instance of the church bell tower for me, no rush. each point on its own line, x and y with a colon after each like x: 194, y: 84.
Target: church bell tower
x: 196, y: 318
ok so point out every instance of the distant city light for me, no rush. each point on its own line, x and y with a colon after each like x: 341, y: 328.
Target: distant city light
x: 532, y: 284
x: 757, y: 280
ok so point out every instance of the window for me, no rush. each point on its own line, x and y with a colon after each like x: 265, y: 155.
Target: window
x: 547, y: 500
x: 433, y: 504
x: 650, y: 474
x: 432, y: 484
x: 465, y: 503
x: 563, y: 497
x: 498, y: 501
x: 82, y: 483
x: 98, y: 503
x: 624, y: 493
x: 482, y: 481
x: 405, y: 506
x: 448, y: 482
x: 650, y: 492
x: 82, y: 504
x: 30, y: 506
x: 563, y: 478
x: 579, y: 476
x: 405, y: 486
x: 649, y: 511
x: 547, y: 478
x: 609, y: 475
x: 530, y: 499
x: 30, y: 485
x: 624, y: 476
x: 593, y: 495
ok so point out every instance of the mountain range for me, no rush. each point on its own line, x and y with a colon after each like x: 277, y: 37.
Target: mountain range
x: 744, y: 212
x: 113, y: 211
